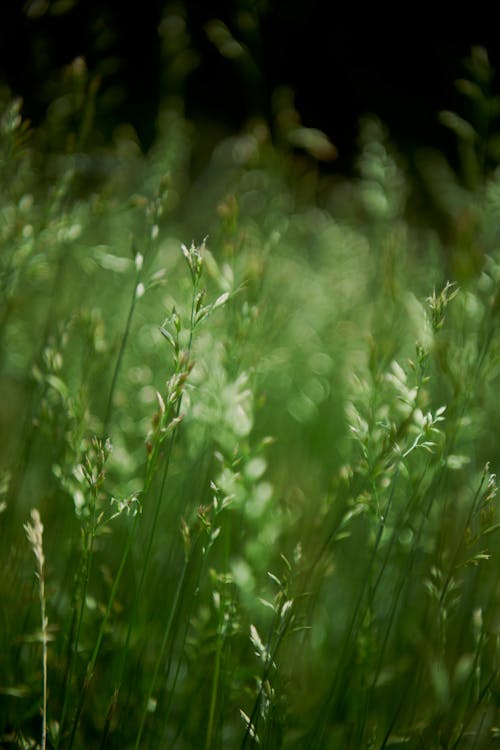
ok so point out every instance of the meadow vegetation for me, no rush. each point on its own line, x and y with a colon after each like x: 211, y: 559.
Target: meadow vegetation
x: 249, y: 432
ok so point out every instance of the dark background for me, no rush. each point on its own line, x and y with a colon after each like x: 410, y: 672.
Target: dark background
x: 399, y: 64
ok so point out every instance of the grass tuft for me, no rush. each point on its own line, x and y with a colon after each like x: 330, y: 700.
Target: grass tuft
x: 265, y: 459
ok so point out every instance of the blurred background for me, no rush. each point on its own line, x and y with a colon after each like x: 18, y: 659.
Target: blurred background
x: 330, y: 235
x: 228, y: 63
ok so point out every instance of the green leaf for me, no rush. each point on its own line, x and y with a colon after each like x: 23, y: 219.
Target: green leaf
x: 458, y: 125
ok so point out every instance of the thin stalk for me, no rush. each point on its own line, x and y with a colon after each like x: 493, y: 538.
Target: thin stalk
x: 252, y: 724
x: 472, y: 712
x: 392, y: 723
x: 139, y: 264
x: 154, y: 524
x: 166, y: 635
x: 119, y: 359
x: 218, y: 658
x: 196, y: 586
x: 213, y: 697
x: 149, y: 546
x: 91, y: 664
x: 109, y: 717
x: 461, y: 542
x: 73, y: 645
x: 171, y: 690
x: 34, y: 533
x: 147, y: 485
x: 131, y: 536
x: 28, y: 434
x: 44, y: 658
x: 128, y: 546
x: 400, y: 588
x: 168, y: 706
x: 357, y: 615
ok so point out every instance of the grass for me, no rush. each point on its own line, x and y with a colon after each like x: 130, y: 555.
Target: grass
x: 265, y: 461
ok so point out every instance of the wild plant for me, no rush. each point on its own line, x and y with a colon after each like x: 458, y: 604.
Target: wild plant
x: 34, y: 532
x: 265, y: 462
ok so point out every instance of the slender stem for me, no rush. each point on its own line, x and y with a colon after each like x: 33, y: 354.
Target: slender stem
x: 216, y: 677
x: 213, y: 698
x: 166, y: 635
x: 100, y: 636
x: 119, y: 359
x: 73, y: 645
x: 44, y: 659
x: 252, y: 724
x: 148, y: 482
x: 149, y: 478
x: 34, y: 533
x: 351, y: 630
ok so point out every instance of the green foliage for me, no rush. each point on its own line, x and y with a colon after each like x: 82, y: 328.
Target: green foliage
x: 264, y: 461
